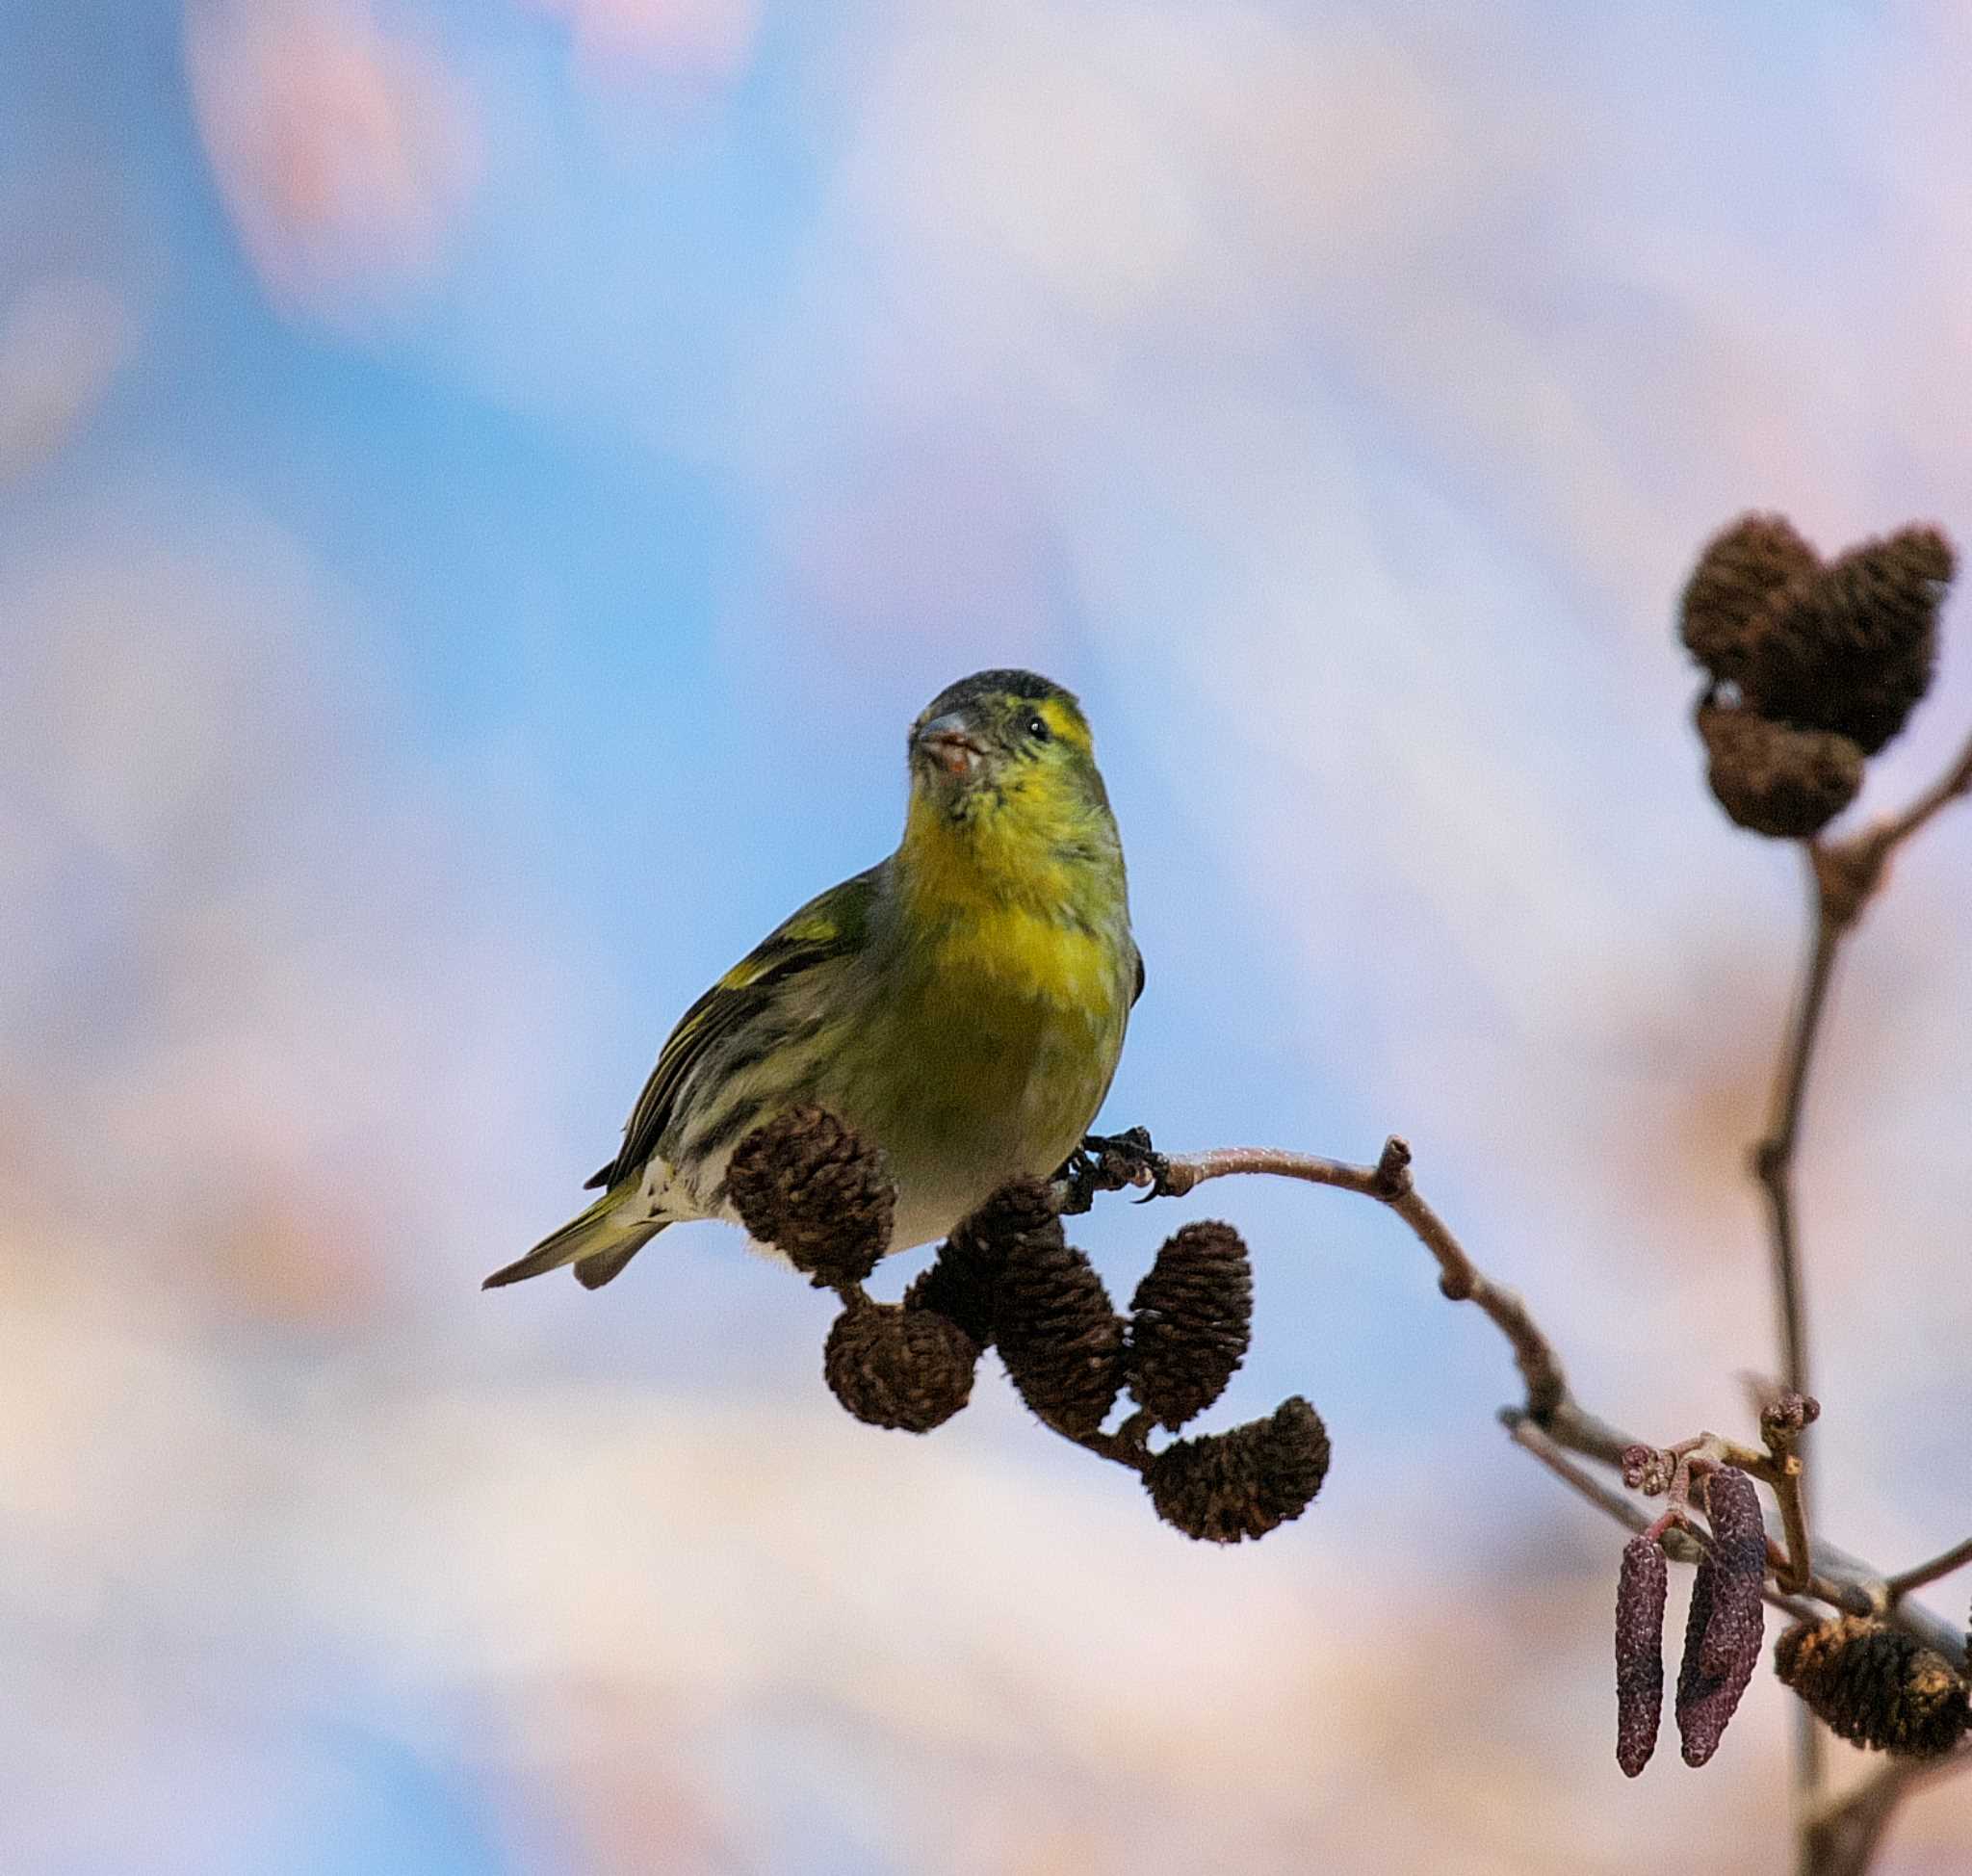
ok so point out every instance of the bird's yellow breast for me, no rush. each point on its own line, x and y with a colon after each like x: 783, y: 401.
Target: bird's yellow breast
x: 997, y: 902
x: 1027, y: 953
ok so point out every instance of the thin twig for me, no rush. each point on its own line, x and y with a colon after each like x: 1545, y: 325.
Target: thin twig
x: 1955, y: 782
x: 1390, y: 1182
x: 1120, y: 1446
x: 1841, y: 1836
x: 1772, y: 1161
x: 1686, y: 1545
x: 1929, y: 1570
x: 1848, y: 874
x: 1772, y: 1157
x: 1784, y: 1420
x: 1831, y: 1840
x: 1844, y: 876
x: 1839, y: 1581
x: 1794, y: 1524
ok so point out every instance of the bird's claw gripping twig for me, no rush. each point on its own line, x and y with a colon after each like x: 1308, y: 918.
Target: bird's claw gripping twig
x: 1109, y: 1163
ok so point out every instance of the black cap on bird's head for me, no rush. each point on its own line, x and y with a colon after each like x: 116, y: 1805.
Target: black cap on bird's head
x: 979, y: 731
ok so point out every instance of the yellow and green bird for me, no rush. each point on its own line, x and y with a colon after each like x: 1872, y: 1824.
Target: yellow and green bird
x: 962, y: 1003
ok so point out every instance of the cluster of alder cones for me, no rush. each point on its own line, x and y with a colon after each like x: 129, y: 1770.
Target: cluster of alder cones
x: 1007, y: 1278
x: 1811, y: 665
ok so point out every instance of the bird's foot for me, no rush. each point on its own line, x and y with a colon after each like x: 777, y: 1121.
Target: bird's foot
x: 1109, y: 1163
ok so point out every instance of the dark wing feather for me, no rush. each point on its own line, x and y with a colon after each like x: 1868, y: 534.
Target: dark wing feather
x: 829, y: 926
x: 1139, y: 990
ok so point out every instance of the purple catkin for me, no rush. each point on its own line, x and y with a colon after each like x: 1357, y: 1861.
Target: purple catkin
x: 1728, y: 1622
x: 1640, y: 1587
x: 1739, y: 1548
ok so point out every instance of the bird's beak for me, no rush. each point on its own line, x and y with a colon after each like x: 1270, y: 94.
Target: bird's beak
x: 950, y: 742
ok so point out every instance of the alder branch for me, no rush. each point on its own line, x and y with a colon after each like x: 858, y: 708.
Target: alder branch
x: 1773, y: 1157
x: 1755, y: 621
x: 1844, y: 876
x: 1773, y: 1165
x: 1841, y: 1836
x: 1681, y: 1542
x: 1390, y: 1182
x: 1953, y: 785
x: 1836, y: 1580
x: 1929, y: 1570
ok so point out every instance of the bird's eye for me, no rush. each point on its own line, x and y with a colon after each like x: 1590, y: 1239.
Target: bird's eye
x: 1037, y: 728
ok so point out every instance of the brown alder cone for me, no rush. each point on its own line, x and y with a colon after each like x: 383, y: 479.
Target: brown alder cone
x: 1875, y: 1685
x: 1061, y: 1341
x: 1851, y: 648
x: 1222, y: 1487
x: 910, y: 1369
x: 1191, y: 1320
x: 1773, y: 779
x: 1741, y: 569
x: 964, y: 1280
x: 817, y: 1191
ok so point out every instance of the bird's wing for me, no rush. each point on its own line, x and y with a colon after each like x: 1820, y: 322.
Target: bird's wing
x: 829, y: 926
x: 1139, y: 990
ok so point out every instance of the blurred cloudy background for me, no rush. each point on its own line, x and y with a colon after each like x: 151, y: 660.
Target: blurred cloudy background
x: 483, y: 484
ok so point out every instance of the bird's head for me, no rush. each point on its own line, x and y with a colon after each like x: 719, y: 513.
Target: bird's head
x: 1005, y: 743
x: 1007, y: 806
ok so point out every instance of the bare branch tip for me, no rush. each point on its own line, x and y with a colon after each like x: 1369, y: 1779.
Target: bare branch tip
x: 1393, y: 1176
x: 1785, y: 1418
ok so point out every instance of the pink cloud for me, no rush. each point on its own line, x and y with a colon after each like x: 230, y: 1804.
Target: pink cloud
x: 700, y: 41
x: 62, y: 342
x: 343, y: 155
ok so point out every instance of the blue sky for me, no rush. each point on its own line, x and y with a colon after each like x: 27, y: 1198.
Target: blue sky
x: 484, y: 487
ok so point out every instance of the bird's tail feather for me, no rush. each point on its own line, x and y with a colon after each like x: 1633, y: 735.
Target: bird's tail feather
x: 598, y: 1245
x: 594, y: 1271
